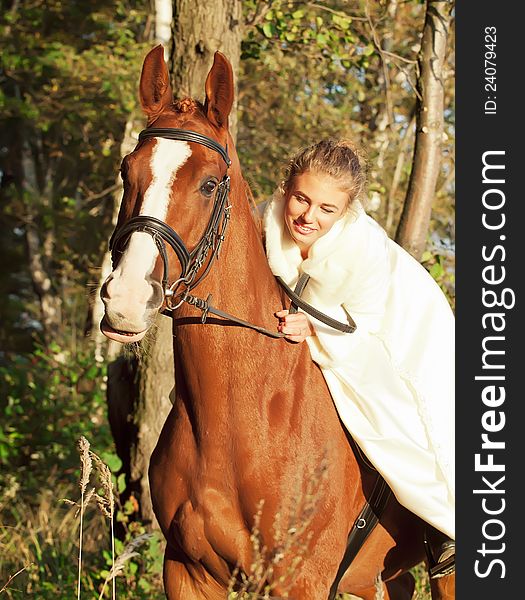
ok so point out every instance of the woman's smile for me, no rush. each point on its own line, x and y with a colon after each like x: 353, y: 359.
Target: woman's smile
x: 303, y: 229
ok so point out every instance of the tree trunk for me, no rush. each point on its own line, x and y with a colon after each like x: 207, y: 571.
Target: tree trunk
x: 415, y: 218
x: 155, y: 384
x: 50, y: 302
x: 163, y: 19
x: 138, y: 394
x: 199, y: 29
x: 151, y: 379
x: 40, y: 245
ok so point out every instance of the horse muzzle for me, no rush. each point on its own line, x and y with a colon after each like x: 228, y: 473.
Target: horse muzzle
x: 130, y: 308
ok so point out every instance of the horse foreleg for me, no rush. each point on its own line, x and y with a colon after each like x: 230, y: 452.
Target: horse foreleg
x: 443, y: 588
x: 184, y: 583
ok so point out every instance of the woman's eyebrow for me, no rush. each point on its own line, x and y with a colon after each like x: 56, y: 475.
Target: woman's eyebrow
x: 299, y: 193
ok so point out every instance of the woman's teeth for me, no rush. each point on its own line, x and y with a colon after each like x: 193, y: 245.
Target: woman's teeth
x: 304, y: 229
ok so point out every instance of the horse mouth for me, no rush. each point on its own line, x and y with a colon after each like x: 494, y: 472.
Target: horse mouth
x: 117, y: 335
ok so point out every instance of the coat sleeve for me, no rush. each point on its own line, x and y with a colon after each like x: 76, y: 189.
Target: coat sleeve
x: 369, y: 282
x: 367, y: 290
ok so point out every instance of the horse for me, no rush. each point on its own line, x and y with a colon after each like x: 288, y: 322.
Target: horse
x: 253, y: 463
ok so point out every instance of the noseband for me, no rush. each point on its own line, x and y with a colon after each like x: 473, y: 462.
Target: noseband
x: 162, y: 234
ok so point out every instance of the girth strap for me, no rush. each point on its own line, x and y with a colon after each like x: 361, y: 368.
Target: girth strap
x: 362, y: 528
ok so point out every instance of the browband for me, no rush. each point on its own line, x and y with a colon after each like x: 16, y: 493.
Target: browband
x: 172, y: 133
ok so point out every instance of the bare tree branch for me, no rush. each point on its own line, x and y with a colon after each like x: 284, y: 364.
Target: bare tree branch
x: 384, y: 66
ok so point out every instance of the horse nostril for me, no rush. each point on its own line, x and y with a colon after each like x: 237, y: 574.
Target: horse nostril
x: 157, y: 296
x: 104, y: 292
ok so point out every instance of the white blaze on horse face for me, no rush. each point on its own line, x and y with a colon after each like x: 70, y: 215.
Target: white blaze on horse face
x: 167, y: 158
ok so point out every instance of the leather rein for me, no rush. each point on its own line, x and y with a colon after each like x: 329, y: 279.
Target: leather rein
x: 207, y: 249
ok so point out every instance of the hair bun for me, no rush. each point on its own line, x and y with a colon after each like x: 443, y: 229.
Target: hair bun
x: 340, y: 158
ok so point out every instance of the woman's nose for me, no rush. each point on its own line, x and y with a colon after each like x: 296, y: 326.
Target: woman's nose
x: 309, y: 214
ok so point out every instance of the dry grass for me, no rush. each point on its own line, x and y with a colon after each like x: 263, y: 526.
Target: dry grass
x: 291, y: 538
x: 38, y: 540
x: 278, y: 568
x: 39, y: 543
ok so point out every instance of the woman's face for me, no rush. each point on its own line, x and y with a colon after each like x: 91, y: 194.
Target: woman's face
x: 314, y: 202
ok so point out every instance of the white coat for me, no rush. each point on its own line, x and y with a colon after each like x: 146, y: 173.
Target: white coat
x: 392, y: 380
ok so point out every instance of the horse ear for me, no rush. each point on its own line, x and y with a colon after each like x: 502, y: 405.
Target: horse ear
x: 219, y: 91
x: 155, y: 88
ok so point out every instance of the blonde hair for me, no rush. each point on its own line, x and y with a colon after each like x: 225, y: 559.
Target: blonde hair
x: 341, y: 159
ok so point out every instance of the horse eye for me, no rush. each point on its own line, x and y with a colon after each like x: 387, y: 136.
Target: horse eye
x: 208, y: 187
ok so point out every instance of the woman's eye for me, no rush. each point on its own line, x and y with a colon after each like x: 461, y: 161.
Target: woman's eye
x: 209, y: 187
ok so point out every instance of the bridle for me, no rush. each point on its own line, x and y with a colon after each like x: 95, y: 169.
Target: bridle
x: 162, y: 234
x: 192, y: 262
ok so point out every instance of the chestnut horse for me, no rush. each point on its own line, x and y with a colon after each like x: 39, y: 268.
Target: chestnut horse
x: 252, y: 418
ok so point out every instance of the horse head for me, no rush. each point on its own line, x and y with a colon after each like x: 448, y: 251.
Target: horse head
x: 178, y: 176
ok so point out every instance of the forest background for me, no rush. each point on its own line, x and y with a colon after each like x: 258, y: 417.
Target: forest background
x: 69, y: 111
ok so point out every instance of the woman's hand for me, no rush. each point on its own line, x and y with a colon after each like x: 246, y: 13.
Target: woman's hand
x: 295, y: 326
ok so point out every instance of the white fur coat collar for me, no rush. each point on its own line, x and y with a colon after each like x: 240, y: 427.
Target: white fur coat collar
x: 335, y: 262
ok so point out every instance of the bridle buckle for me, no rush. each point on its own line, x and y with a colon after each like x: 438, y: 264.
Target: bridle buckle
x: 171, y: 292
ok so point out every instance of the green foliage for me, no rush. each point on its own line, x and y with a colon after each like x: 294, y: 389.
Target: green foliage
x: 326, y: 81
x: 295, y: 29
x: 68, y: 83
x: 420, y: 574
x: 47, y: 400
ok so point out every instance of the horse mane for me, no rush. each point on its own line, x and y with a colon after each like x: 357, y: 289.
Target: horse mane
x: 188, y: 106
x: 254, y: 207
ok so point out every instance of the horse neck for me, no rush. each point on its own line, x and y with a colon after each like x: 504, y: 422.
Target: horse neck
x: 240, y: 283
x: 242, y: 278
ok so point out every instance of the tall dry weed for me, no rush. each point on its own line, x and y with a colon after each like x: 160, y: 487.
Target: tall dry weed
x: 40, y: 537
x: 279, y: 567
x: 105, y: 501
x: 85, y: 474
x: 128, y: 553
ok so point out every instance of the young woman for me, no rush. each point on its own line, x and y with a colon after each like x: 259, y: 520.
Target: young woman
x: 392, y: 380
